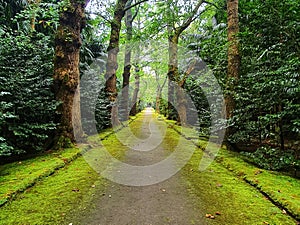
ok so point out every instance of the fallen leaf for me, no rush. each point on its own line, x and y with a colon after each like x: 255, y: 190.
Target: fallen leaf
x: 258, y: 172
x: 218, y: 213
x: 209, y: 216
x: 219, y: 185
x: 283, y: 211
x: 75, y: 190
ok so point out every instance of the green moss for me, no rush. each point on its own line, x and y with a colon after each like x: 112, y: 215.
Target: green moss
x: 237, y: 202
x: 282, y: 189
x: 16, y: 177
x: 51, y: 199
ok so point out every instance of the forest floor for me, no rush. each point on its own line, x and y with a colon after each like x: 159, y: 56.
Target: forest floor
x: 96, y: 189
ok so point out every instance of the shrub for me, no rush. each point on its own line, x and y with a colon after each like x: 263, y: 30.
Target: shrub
x: 271, y: 158
x: 27, y: 105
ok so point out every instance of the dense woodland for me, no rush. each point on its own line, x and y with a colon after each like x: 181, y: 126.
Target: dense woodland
x: 250, y: 46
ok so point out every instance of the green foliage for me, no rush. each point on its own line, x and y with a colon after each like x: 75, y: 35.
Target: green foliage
x: 268, y: 93
x: 209, y: 41
x: 27, y: 106
x: 8, y: 10
x: 271, y: 158
x: 94, y: 102
x: 45, y: 15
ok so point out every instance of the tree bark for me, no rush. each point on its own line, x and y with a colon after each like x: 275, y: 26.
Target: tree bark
x: 112, y: 65
x: 134, y: 104
x: 124, y: 106
x: 159, y: 92
x: 66, y: 73
x: 233, y: 60
x: 172, y: 75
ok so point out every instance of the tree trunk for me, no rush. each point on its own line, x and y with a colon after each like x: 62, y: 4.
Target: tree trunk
x: 112, y: 65
x: 134, y: 104
x: 124, y: 106
x: 181, y: 106
x: 233, y: 60
x: 66, y: 73
x: 159, y: 92
x: 173, y: 75
x: 176, y: 95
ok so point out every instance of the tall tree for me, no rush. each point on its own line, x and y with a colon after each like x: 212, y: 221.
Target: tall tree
x: 112, y: 65
x: 233, y: 59
x: 66, y: 72
x: 127, y: 63
x: 174, y: 33
x: 134, y: 100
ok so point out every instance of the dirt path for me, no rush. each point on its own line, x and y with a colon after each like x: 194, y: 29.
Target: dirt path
x: 162, y: 203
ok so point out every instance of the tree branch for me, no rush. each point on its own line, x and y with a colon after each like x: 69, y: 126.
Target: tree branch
x: 210, y: 3
x: 136, y: 13
x: 99, y: 14
x: 190, y: 19
x: 187, y: 73
x: 134, y: 5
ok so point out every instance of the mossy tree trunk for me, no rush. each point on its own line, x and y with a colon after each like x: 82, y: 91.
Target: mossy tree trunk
x: 66, y: 73
x: 173, y: 74
x: 233, y: 60
x: 134, y: 104
x: 124, y: 106
x: 112, y: 65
